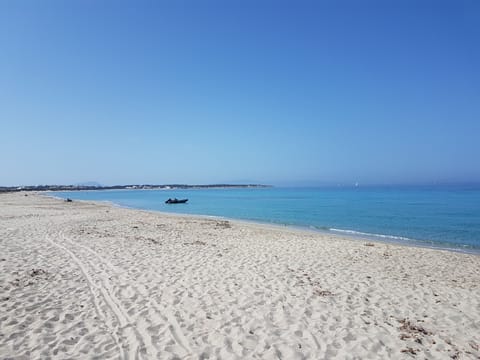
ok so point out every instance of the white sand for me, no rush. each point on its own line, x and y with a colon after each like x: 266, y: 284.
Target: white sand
x: 85, y: 280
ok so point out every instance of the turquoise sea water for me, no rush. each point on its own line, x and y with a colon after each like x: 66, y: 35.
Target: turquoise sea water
x: 446, y: 217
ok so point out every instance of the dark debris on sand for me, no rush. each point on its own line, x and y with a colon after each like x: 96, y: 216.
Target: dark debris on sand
x: 223, y: 225
x: 29, y: 277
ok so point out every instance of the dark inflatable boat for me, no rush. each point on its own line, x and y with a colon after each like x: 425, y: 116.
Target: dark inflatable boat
x: 176, y: 201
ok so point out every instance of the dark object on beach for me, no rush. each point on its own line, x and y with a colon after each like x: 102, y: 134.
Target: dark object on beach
x: 176, y: 201
x: 68, y: 200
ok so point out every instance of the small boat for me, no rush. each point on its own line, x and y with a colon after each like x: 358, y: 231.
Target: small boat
x: 176, y: 201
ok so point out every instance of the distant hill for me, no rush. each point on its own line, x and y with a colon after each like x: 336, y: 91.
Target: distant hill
x: 89, y: 183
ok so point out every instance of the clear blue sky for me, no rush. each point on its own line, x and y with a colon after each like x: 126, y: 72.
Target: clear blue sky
x: 297, y: 92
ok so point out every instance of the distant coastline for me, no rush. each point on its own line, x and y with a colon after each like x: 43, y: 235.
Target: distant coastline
x: 4, y: 189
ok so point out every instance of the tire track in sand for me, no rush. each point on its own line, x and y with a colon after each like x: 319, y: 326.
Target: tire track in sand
x: 165, y: 314
x: 100, y: 293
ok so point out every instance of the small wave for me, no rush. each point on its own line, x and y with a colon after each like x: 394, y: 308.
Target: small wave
x: 353, y: 232
x: 463, y: 248
x: 323, y: 228
x: 53, y: 196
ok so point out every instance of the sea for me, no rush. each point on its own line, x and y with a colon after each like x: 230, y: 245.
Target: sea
x: 446, y: 217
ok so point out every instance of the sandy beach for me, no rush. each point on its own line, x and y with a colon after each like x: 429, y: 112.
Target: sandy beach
x: 87, y: 280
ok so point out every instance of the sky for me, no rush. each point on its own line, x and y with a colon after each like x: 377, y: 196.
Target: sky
x: 275, y: 92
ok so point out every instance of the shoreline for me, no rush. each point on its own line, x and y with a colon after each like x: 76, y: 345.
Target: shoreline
x: 338, y: 233
x: 87, y: 279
